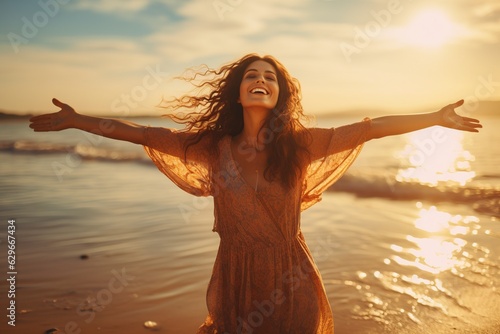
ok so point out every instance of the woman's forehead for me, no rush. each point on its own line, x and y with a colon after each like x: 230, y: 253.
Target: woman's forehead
x: 261, y: 66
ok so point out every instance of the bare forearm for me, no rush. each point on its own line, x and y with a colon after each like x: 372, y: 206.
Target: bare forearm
x: 67, y: 118
x: 399, y: 124
x: 110, y: 128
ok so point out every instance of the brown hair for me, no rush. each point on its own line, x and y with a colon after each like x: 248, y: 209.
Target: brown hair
x: 217, y: 113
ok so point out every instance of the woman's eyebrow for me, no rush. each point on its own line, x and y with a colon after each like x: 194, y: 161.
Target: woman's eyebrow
x: 253, y: 69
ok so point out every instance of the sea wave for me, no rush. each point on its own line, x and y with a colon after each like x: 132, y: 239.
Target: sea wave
x: 84, y: 152
x: 483, y: 197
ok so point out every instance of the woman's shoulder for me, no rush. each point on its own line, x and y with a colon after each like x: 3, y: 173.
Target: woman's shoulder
x: 313, y: 135
x: 208, y: 143
x: 328, y: 131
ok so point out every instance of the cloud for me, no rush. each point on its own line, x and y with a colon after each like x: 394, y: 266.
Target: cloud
x: 89, y: 73
x: 244, y: 11
x: 264, y: 27
x: 111, y: 6
x: 486, y: 22
x: 482, y: 18
x: 206, y: 32
x: 486, y: 9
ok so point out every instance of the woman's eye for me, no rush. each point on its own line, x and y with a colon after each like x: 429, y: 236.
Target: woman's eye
x: 253, y: 76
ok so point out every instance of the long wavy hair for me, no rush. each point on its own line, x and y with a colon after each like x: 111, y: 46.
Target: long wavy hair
x: 214, y: 111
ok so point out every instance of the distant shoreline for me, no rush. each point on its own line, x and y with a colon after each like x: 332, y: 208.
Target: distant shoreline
x: 483, y: 108
x: 10, y: 116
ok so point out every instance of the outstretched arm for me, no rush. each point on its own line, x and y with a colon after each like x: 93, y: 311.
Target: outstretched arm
x: 446, y: 116
x: 68, y: 118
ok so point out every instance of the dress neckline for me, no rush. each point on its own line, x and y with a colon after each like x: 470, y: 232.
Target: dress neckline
x: 255, y: 189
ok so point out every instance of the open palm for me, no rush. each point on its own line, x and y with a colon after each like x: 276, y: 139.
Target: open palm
x: 63, y: 119
x: 450, y: 119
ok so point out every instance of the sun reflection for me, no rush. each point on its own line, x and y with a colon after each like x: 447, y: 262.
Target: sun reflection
x: 435, y: 155
x: 433, y: 255
x: 432, y: 220
x: 436, y: 254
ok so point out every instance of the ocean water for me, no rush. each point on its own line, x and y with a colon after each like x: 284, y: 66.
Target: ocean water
x: 407, y: 241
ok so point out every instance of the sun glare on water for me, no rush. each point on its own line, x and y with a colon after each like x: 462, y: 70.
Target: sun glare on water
x: 429, y: 29
x: 435, y: 155
x: 443, y: 248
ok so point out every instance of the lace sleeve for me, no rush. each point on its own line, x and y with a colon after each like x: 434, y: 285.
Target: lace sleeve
x: 191, y: 170
x: 332, y: 152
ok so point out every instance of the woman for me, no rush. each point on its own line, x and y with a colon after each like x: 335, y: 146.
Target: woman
x: 246, y: 147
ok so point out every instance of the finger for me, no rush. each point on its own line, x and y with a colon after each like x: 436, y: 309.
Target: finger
x: 474, y: 125
x: 41, y: 127
x: 468, y: 119
x: 58, y: 103
x: 41, y: 118
x: 457, y: 104
x: 41, y: 122
x: 465, y: 127
x: 34, y: 118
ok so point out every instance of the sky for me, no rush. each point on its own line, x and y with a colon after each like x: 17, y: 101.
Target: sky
x: 121, y: 57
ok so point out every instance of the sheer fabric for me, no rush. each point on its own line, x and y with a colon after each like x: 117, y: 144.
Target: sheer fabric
x: 264, y: 279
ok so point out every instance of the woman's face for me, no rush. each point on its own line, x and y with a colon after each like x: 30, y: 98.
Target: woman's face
x: 259, y: 87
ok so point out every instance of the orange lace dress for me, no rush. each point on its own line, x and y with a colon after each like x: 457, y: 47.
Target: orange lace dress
x: 264, y: 279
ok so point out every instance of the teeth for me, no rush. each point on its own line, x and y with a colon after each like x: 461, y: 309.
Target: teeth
x: 258, y: 90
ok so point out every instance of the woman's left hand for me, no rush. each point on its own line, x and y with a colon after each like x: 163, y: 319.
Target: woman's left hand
x: 450, y: 119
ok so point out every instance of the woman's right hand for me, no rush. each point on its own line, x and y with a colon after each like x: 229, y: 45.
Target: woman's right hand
x: 63, y: 119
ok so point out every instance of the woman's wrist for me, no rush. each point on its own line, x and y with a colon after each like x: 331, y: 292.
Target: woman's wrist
x: 436, y: 118
x: 75, y: 120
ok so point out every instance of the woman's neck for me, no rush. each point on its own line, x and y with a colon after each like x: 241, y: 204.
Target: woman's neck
x: 251, y: 134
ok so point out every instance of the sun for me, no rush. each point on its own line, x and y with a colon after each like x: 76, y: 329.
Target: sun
x: 430, y: 28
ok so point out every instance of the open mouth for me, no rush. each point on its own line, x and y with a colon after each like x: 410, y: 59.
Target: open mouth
x: 259, y: 90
